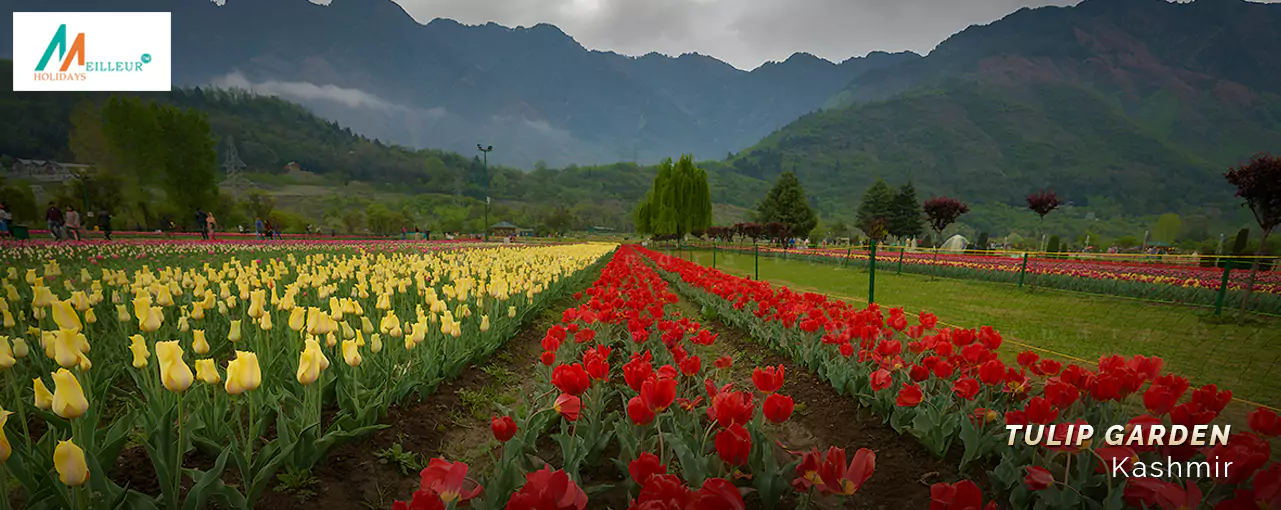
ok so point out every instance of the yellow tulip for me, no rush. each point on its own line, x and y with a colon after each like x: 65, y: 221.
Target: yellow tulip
x: 390, y: 322
x: 122, y: 313
x: 351, y: 353
x: 90, y: 317
x: 384, y: 302
x: 79, y: 300
x: 243, y: 373
x: 265, y: 322
x: 311, y: 362
x: 174, y: 372
x: 409, y: 343
x: 44, y: 398
x: 65, y: 315
x: 197, y: 311
x: 31, y: 276
x: 20, y: 349
x: 198, y: 344
x: 297, y: 318
x: 42, y: 297
x: 5, y: 449
x: 69, y: 460
x: 139, y: 349
x: 6, y: 353
x: 142, y: 306
x: 484, y: 323
x: 155, y: 316
x: 68, y: 397
x: 366, y: 325
x: 375, y: 343
x: 417, y: 333
x: 257, y: 299
x: 184, y: 325
x: 207, y: 371
x: 234, y: 334
x: 347, y: 332
x: 6, y: 319
x: 511, y: 312
x: 66, y: 348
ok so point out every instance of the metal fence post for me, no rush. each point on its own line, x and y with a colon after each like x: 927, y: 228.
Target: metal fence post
x: 871, y: 274
x: 713, y: 255
x: 1023, y: 270
x: 900, y: 259
x: 1223, y: 289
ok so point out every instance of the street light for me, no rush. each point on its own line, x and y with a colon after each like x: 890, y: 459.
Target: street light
x: 485, y: 150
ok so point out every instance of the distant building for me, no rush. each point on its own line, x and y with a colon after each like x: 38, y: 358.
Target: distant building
x: 503, y: 229
x: 45, y: 170
x: 293, y: 166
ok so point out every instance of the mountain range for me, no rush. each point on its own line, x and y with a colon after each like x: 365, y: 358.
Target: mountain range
x: 1125, y: 107
x: 534, y: 93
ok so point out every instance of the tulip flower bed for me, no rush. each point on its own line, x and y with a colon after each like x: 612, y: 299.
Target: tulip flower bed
x: 624, y: 389
x: 948, y: 389
x: 1163, y: 282
x: 224, y: 350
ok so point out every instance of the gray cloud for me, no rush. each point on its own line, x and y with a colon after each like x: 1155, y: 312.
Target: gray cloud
x: 305, y: 91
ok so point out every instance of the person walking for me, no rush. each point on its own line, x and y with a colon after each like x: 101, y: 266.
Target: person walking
x: 71, y: 220
x: 202, y: 220
x: 53, y: 218
x: 258, y: 228
x: 104, y: 223
x: 6, y: 218
x: 211, y: 225
x: 270, y: 230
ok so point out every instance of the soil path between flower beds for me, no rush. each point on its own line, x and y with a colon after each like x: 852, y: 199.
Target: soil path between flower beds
x: 453, y: 422
x: 823, y: 418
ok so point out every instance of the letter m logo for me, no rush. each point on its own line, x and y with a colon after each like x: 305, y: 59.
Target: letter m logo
x: 59, y: 44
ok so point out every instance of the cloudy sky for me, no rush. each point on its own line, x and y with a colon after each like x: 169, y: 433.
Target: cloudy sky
x: 744, y: 33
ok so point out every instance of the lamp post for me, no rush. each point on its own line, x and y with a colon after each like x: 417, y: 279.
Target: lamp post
x: 485, y: 150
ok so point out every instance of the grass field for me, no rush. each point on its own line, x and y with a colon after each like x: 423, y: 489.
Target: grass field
x: 1243, y: 357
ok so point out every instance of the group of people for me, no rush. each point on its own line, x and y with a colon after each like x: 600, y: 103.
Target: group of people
x: 67, y: 223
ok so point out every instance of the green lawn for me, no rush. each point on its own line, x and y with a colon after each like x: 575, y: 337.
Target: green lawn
x: 1241, y: 357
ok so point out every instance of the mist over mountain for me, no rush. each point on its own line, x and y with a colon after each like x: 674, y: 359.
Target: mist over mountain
x: 534, y: 93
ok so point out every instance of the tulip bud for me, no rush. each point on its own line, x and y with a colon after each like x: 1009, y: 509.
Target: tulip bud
x: 207, y: 371
x: 43, y: 397
x: 234, y: 334
x: 298, y: 318
x: 174, y: 372
x: 511, y: 312
x: 65, y: 316
x: 198, y: 344
x: 311, y: 362
x: 5, y: 449
x: 375, y: 343
x: 20, y: 349
x: 6, y: 353
x: 484, y: 323
x: 69, y: 461
x: 138, y: 347
x: 351, y: 353
x: 366, y: 326
x: 155, y: 315
x: 243, y: 373
x: 68, y: 397
x: 122, y: 313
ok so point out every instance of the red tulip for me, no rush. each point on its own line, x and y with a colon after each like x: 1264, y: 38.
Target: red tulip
x: 847, y: 350
x: 584, y: 335
x: 1027, y: 358
x: 717, y: 494
x: 1049, y: 367
x: 504, y: 428
x: 962, y: 495
x: 1109, y: 456
x: 918, y: 373
x: 992, y: 372
x: 568, y: 406
x: 909, y: 396
x: 1061, y: 394
x: 966, y: 388
x: 1210, y: 398
x: 571, y: 379
x: 548, y: 490
x: 1040, y: 411
x: 1142, y: 492
x: 448, y: 480
x: 547, y: 358
x: 1038, y: 478
x: 777, y: 408
x: 731, y: 407
x: 423, y: 500
x: 637, y: 370
x: 1264, y: 422
x: 839, y: 478
x: 639, y: 413
x: 769, y: 379
x: 663, y: 491
x: 1172, y: 496
x: 658, y: 394
x: 1245, y: 451
x: 881, y: 379
x: 645, y: 466
x: 733, y: 444
x: 724, y: 361
x: 691, y: 366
